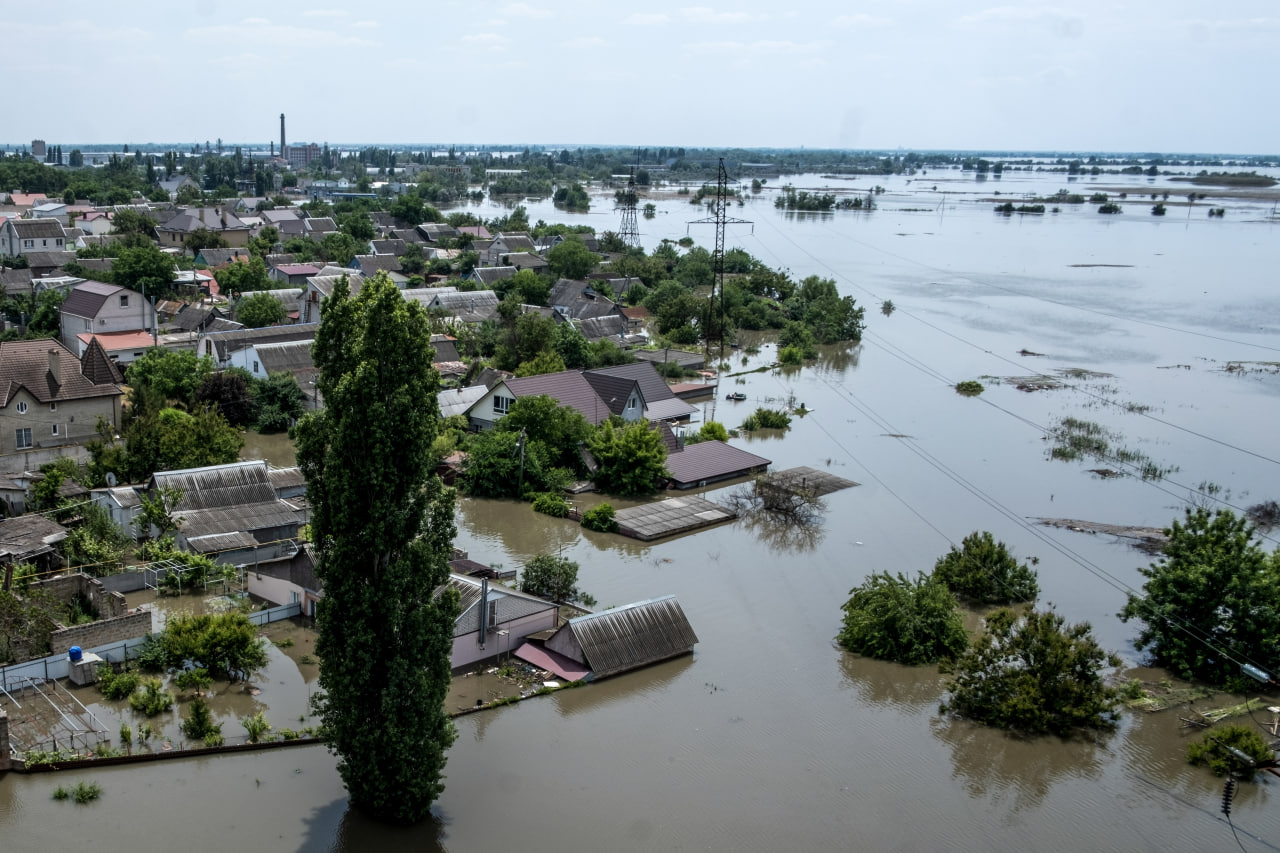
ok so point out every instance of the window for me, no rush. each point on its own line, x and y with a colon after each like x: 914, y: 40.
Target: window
x: 55, y: 429
x: 255, y: 367
x: 22, y: 408
x: 124, y: 300
x: 502, y: 405
x: 27, y: 244
x: 88, y: 325
x: 23, y: 438
x: 53, y: 407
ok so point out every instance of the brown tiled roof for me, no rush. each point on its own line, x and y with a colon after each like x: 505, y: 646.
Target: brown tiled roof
x: 97, y: 367
x: 568, y: 388
x: 86, y: 300
x: 25, y: 364
x: 711, y: 460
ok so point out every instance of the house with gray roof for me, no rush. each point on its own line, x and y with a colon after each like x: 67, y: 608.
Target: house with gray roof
x: 321, y: 286
x: 218, y: 220
x: 229, y: 512
x: 23, y: 236
x: 489, y: 276
x: 578, y: 300
x: 470, y: 306
x: 369, y: 265
x: 622, y: 638
x: 493, y: 620
x: 395, y: 248
x: 526, y: 261
x: 434, y: 232
x: 509, y: 244
x: 222, y: 346
x: 221, y: 257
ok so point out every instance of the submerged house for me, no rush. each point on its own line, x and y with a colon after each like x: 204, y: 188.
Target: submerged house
x: 230, y: 513
x: 615, y: 641
x: 494, y: 619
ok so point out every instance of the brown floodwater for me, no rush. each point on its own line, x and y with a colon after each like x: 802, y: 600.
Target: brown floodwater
x: 770, y: 737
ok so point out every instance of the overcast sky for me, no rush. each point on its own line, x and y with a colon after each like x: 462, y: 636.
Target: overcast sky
x: 1104, y: 75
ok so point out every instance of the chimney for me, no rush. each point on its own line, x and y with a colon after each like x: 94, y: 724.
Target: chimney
x: 282, y: 146
x: 484, y: 610
x: 55, y: 366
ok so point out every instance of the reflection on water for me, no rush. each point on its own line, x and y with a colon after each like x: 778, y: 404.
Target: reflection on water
x: 892, y: 685
x: 995, y: 765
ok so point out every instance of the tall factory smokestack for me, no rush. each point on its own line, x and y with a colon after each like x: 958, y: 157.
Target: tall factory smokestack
x: 282, y: 154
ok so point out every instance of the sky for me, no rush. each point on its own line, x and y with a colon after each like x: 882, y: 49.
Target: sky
x: 1084, y: 75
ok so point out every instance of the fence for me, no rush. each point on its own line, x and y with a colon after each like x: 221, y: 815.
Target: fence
x: 58, y: 666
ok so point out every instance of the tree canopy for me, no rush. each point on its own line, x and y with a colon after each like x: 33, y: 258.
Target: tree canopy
x: 383, y: 526
x: 260, y: 309
x: 1034, y: 674
x: 551, y: 577
x: 1212, y: 601
x: 982, y: 571
x: 906, y: 621
x: 632, y: 457
x: 571, y: 259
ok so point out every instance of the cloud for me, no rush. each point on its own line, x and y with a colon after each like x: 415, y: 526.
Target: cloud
x: 262, y: 30
x: 325, y: 13
x: 861, y: 21
x: 707, y: 15
x: 492, y: 41
x: 757, y: 48
x: 646, y: 20
x: 524, y: 10
x: 585, y: 43
x: 1059, y: 21
x: 365, y: 25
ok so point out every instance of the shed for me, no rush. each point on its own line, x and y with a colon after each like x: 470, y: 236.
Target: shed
x: 627, y: 637
x: 709, y: 461
x: 30, y: 539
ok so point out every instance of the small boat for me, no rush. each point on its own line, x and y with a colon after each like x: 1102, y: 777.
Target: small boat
x: 736, y: 395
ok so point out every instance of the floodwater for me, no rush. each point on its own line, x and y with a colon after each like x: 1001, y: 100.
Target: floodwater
x: 770, y: 737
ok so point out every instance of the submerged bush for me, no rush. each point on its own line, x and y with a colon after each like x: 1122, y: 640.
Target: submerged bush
x: 1211, y: 750
x: 983, y: 571
x: 969, y: 388
x: 898, y: 619
x: 152, y: 698
x: 551, y: 504
x: 600, y: 519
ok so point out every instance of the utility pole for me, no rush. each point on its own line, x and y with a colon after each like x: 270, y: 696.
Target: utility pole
x: 720, y: 217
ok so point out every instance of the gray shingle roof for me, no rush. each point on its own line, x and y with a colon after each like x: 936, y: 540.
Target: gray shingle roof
x: 38, y: 229
x: 569, y: 388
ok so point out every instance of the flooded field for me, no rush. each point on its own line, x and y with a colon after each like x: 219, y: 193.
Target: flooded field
x: 770, y: 737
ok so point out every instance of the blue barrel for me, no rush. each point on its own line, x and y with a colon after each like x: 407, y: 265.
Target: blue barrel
x: 74, y: 654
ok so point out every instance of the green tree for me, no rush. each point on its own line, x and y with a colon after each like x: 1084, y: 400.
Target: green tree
x: 243, y: 277
x: 260, y: 309
x: 278, y: 401
x: 339, y: 248
x: 571, y: 259
x: 632, y: 457
x: 906, y: 621
x: 1212, y: 600
x: 383, y: 524
x: 1212, y: 750
x: 551, y: 577
x: 983, y: 571
x: 46, y: 321
x: 144, y: 269
x: 203, y: 238
x: 228, y: 390
x: 173, y: 374
x: 1034, y: 674
x: 543, y: 362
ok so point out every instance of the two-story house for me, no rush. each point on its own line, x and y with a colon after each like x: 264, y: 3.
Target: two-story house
x: 49, y: 398
x: 20, y: 236
x: 95, y: 307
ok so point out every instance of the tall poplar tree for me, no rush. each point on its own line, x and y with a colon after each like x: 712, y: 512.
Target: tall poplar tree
x: 382, y: 523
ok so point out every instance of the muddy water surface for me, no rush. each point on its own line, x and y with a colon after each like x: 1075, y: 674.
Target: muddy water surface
x: 769, y: 737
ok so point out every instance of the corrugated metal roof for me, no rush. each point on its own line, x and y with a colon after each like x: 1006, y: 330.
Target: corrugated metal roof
x: 218, y: 486
x: 633, y: 635
x: 244, y: 518
x: 456, y: 401
x: 711, y: 460
x: 28, y: 533
x: 510, y: 604
x: 286, y: 478
x: 665, y: 410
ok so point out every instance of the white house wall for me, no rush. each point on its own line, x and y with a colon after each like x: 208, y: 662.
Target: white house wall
x: 467, y: 650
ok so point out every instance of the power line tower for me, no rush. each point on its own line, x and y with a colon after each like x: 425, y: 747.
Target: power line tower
x: 719, y: 215
x: 628, y: 230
